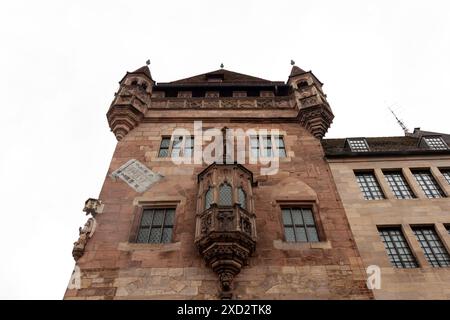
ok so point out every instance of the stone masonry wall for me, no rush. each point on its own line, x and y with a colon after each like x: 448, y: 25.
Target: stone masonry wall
x: 114, y: 268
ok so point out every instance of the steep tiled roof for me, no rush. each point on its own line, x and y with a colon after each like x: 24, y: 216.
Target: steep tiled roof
x: 225, y: 75
x: 382, y: 146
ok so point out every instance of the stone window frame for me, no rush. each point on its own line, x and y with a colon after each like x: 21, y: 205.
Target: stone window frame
x: 138, y: 212
x: 313, y: 206
x: 437, y: 183
x: 405, y: 182
x: 431, y: 258
x: 171, y: 145
x: 445, y: 172
x: 272, y: 145
x: 376, y: 179
x: 407, y: 240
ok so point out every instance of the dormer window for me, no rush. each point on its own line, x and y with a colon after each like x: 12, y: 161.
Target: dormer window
x: 435, y: 143
x: 215, y: 77
x: 358, y: 145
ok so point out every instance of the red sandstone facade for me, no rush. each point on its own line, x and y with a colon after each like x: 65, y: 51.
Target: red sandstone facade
x: 207, y: 259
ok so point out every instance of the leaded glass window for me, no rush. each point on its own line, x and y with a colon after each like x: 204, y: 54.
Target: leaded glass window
x: 164, y: 147
x: 242, y: 198
x: 397, y: 248
x: 369, y: 186
x: 428, y: 184
x: 446, y: 174
x: 432, y: 246
x: 209, y: 198
x: 398, y: 185
x: 225, y: 195
x: 436, y: 143
x: 156, y: 225
x: 299, y: 225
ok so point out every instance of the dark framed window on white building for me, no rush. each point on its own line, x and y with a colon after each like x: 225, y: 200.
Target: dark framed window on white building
x: 369, y: 186
x: 397, y: 248
x: 156, y: 225
x: 398, y: 184
x: 428, y: 184
x: 299, y: 225
x: 432, y: 246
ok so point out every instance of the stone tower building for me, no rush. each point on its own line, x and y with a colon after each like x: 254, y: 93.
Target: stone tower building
x: 223, y: 228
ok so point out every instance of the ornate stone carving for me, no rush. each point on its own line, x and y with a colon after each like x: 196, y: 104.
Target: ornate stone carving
x: 85, y: 234
x: 93, y: 207
x: 226, y: 235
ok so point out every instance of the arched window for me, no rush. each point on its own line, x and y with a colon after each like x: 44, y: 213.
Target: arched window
x: 225, y: 195
x: 242, y: 198
x: 302, y: 84
x: 208, y: 198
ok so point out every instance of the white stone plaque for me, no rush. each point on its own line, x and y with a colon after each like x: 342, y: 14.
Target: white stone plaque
x: 137, y: 175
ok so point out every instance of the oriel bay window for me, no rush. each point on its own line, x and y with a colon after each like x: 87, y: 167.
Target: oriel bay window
x: 225, y: 232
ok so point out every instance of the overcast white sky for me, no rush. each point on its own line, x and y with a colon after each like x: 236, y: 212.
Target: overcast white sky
x: 60, y: 62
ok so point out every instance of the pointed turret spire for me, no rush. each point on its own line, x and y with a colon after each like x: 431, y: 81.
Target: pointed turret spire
x: 295, y: 71
x: 145, y: 70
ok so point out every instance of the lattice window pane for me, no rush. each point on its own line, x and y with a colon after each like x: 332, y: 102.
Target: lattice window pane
x: 158, y: 218
x: 299, y: 225
x: 428, y: 184
x: 300, y: 234
x: 164, y: 148
x: 225, y: 195
x: 287, y: 220
x: 397, y: 248
x: 369, y: 186
x: 289, y: 234
x: 167, y: 235
x: 143, y: 235
x: 358, y: 145
x: 446, y: 174
x: 432, y: 246
x: 170, y: 215
x: 209, y: 198
x: 155, y: 235
x: 436, y: 143
x: 242, y: 198
x: 156, y: 226
x: 398, y: 185
x: 147, y: 217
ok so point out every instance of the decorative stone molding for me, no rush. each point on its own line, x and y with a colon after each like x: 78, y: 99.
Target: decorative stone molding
x: 131, y: 102
x: 93, y: 207
x: 225, y: 234
x: 223, y: 103
x: 316, y: 119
